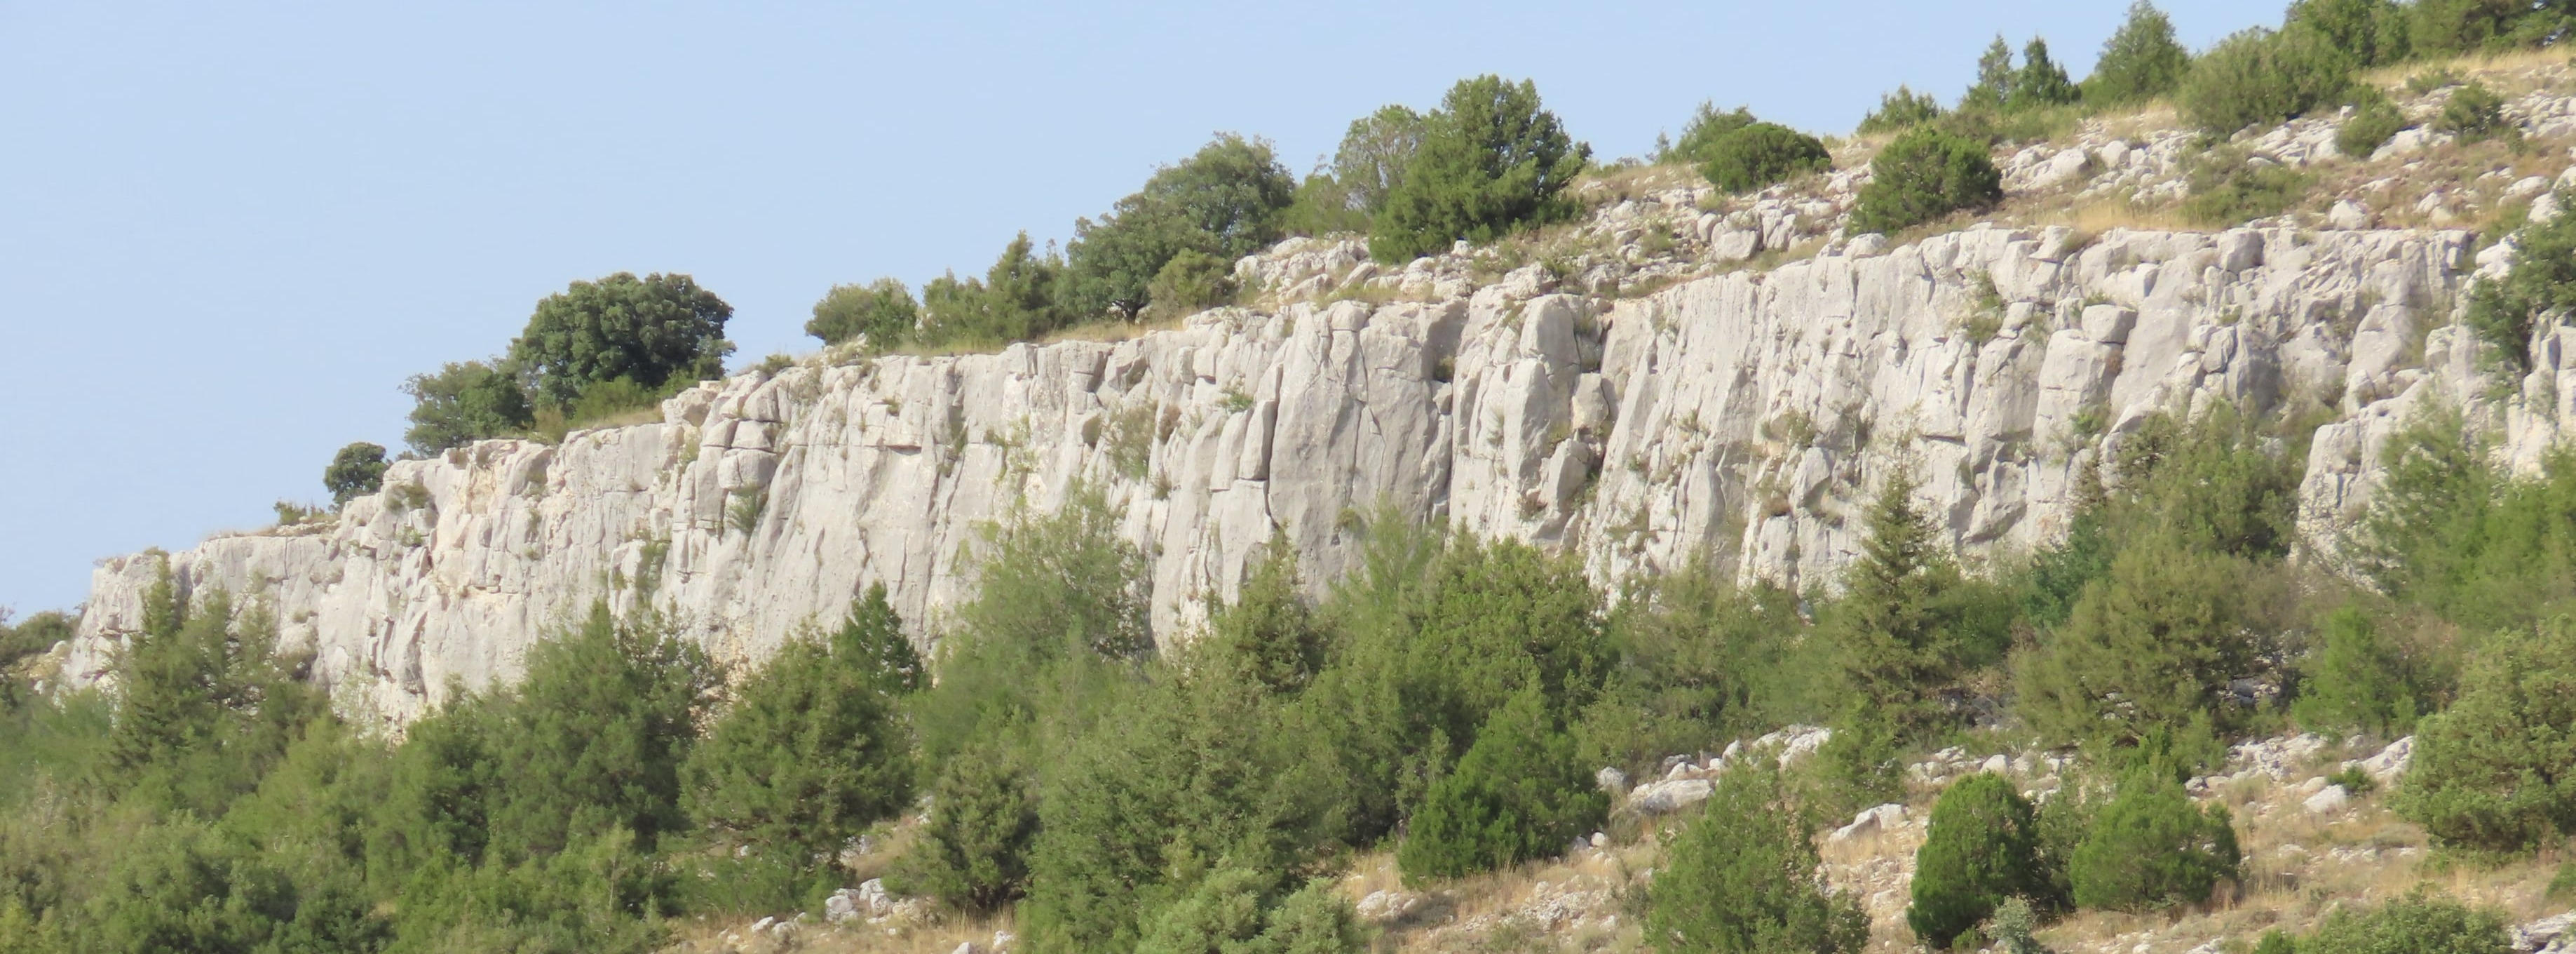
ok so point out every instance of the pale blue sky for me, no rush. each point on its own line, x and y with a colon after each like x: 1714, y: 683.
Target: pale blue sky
x: 227, y: 235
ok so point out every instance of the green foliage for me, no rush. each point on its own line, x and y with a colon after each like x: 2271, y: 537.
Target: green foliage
x: 2229, y: 187
x: 32, y: 636
x: 2258, y: 77
x: 2497, y: 770
x: 2373, y: 121
x: 1365, y: 170
x: 465, y: 402
x: 2454, y: 27
x: 1706, y: 128
x: 593, y: 738
x: 1269, y: 633
x: 1700, y: 660
x: 2141, y: 60
x: 1761, y: 154
x: 2474, y: 114
x: 1223, y: 202
x: 1909, y: 623
x: 1191, y: 282
x: 871, y: 640
x: 2542, y: 282
x: 809, y: 755
x: 207, y: 705
x: 1982, y: 847
x: 2038, y: 83
x: 357, y: 469
x: 2418, y: 923
x: 1200, y: 768
x: 649, y: 331
x: 1234, y: 911
x: 1491, y: 159
x: 2201, y: 514
x: 1924, y: 175
x: 882, y: 311
x: 2368, y: 32
x: 1742, y: 878
x: 2150, y: 849
x: 1014, y: 301
x: 1899, y: 111
x: 973, y: 848
x: 2454, y: 535
x: 2360, y: 680
x: 1518, y: 794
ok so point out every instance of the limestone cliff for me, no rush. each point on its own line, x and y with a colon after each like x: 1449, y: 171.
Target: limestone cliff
x: 1738, y: 417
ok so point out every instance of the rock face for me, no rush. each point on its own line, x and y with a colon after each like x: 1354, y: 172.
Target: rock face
x: 1739, y: 418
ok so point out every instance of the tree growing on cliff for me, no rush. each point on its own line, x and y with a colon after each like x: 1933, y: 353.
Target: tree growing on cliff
x: 357, y: 470
x: 1014, y: 301
x: 1224, y: 202
x: 649, y: 331
x: 882, y: 310
x: 1491, y: 159
x: 465, y: 402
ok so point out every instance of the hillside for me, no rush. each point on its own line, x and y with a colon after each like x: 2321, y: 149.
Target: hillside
x: 2189, y: 532
x: 1680, y: 376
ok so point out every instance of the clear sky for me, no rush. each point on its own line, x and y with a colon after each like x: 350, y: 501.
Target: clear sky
x: 228, y: 235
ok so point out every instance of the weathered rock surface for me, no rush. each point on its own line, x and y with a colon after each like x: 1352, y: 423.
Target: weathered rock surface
x: 1741, y: 418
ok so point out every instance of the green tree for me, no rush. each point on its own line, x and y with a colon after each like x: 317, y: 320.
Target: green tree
x: 1518, y: 794
x: 2455, y: 27
x: 1224, y: 202
x: 1900, y: 111
x: 1995, y: 77
x: 809, y: 755
x: 1982, y: 847
x: 2358, y: 680
x: 2152, y: 644
x: 882, y: 310
x: 2369, y: 32
x: 2150, y: 849
x: 1269, y: 631
x: 1706, y: 128
x: 206, y: 703
x: 1924, y: 175
x: 650, y: 331
x: 1014, y: 301
x: 1374, y: 154
x: 2474, y: 113
x: 871, y: 640
x: 2418, y: 923
x: 2497, y: 770
x: 1907, y: 623
x: 1761, y: 154
x: 593, y: 738
x: 465, y: 402
x: 2542, y: 282
x: 357, y: 469
x: 2261, y: 77
x: 2040, y: 83
x: 1192, y: 281
x: 1491, y: 159
x: 1742, y: 878
x: 973, y: 848
x: 2141, y: 61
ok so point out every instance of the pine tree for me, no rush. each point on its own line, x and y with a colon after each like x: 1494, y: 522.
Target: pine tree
x: 2140, y: 61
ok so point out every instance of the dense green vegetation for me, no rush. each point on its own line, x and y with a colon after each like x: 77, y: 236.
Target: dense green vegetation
x: 1490, y: 159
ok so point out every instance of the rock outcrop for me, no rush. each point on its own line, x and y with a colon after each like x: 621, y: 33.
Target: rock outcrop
x: 1740, y: 418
